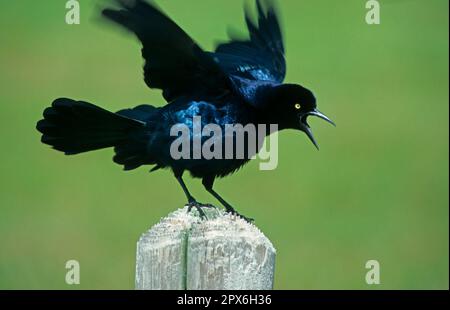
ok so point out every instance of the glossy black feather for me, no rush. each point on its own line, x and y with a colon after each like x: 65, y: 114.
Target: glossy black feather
x: 75, y: 127
x: 260, y: 58
x: 173, y: 61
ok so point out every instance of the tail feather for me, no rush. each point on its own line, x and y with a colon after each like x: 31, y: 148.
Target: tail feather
x: 75, y: 127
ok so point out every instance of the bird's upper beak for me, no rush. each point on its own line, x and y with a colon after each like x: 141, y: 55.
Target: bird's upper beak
x: 304, y: 126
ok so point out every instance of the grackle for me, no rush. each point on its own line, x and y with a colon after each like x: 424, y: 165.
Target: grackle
x: 241, y: 82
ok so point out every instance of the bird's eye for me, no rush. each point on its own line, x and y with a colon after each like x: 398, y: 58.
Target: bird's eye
x: 298, y: 106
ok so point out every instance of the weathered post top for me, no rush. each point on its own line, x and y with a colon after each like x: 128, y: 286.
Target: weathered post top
x: 223, y: 252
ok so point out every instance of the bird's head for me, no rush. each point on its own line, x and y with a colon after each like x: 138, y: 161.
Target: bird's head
x: 291, y: 105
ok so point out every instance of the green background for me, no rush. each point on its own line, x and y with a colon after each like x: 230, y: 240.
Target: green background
x: 378, y: 189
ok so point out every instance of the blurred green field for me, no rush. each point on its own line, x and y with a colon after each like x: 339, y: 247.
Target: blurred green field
x: 378, y: 189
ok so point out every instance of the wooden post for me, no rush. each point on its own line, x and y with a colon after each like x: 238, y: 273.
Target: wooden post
x: 223, y: 252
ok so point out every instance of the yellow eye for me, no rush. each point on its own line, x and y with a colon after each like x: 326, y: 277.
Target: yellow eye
x: 298, y: 106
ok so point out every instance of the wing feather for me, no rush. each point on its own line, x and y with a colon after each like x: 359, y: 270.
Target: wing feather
x: 262, y: 57
x: 174, y: 62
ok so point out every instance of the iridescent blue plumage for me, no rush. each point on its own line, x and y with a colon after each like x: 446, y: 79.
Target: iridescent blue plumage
x: 241, y: 82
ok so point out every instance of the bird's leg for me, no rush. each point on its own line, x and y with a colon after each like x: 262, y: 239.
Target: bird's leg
x: 189, y: 197
x: 192, y: 202
x: 208, y: 183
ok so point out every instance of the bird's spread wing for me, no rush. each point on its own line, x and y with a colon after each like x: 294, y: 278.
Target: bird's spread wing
x: 173, y: 61
x: 261, y: 57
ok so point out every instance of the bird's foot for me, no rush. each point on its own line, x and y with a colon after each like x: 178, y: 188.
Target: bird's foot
x: 234, y: 212
x: 208, y: 206
x: 198, y: 206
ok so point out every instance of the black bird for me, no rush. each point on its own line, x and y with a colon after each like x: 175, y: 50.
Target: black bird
x: 241, y: 82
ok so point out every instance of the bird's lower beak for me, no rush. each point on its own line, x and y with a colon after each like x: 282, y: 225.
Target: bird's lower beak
x: 310, y: 135
x: 305, y: 127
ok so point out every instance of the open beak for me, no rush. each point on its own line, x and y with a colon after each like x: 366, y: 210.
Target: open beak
x: 305, y: 127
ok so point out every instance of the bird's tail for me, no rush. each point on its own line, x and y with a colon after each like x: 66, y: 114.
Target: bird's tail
x: 75, y: 127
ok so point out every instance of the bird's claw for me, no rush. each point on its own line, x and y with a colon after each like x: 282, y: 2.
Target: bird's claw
x: 198, y: 206
x: 247, y: 219
x: 209, y: 206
